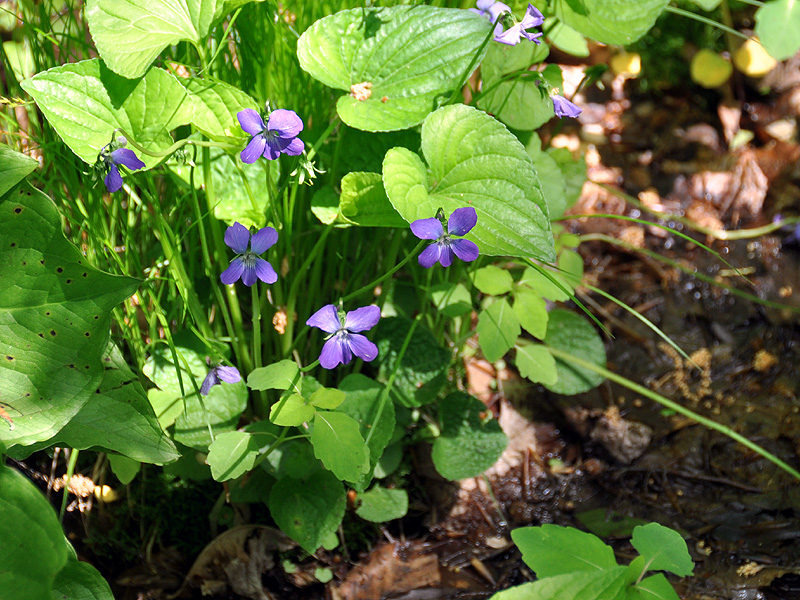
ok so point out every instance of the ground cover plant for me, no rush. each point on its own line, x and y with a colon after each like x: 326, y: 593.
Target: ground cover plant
x: 255, y: 246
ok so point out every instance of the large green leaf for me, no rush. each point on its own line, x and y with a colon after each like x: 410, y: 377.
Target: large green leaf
x: 33, y: 550
x: 215, y: 106
x: 85, y: 102
x: 470, y: 443
x: 572, y: 333
x: 54, y: 319
x: 552, y: 550
x: 130, y: 34
x: 410, y: 55
x: 337, y: 442
x: 474, y: 161
x: 610, y: 21
x: 14, y: 167
x: 118, y: 418
x: 778, y: 27
x: 80, y: 581
x: 309, y: 509
x: 597, y: 585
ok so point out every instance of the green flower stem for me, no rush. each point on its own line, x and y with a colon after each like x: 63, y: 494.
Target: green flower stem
x: 73, y: 461
x: 222, y: 43
x: 220, y: 257
x: 690, y: 15
x: 625, y: 382
x: 371, y: 286
x: 262, y: 407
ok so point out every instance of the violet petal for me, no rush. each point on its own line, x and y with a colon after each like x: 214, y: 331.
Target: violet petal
x: 262, y: 240
x: 465, y: 250
x: 427, y: 229
x: 250, y: 121
x: 233, y: 272
x: 326, y: 318
x: 237, y: 237
x: 362, y: 347
x: 462, y: 221
x: 331, y: 354
x: 362, y: 318
x: 265, y: 272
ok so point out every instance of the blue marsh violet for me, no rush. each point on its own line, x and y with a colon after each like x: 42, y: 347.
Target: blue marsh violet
x: 442, y: 250
x: 345, y: 340
x: 111, y: 161
x: 248, y: 263
x: 217, y: 375
x: 563, y: 107
x: 492, y: 10
x: 513, y: 35
x: 278, y: 135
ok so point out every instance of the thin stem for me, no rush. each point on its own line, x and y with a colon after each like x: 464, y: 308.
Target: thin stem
x: 625, y: 382
x: 176, y: 146
x: 685, y: 13
x: 371, y: 286
x: 73, y: 460
x: 222, y: 41
x: 473, y: 63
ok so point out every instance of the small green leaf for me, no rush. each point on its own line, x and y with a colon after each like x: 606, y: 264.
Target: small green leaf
x: 29, y: 528
x: 552, y: 550
x: 572, y: 333
x: 451, y: 299
x: 80, y: 581
x: 290, y: 411
x: 571, y: 265
x: 308, y: 509
x: 570, y: 41
x: 663, y: 548
x: 655, y: 587
x: 777, y: 26
x: 293, y: 458
x: 232, y: 454
x: 470, y: 442
x: 85, y: 103
x: 611, y: 21
x: 537, y: 364
x: 474, y: 161
x: 14, y: 167
x: 363, y: 202
x: 498, y: 330
x: 409, y: 56
x: 126, y: 469
x: 327, y: 398
x: 608, y: 584
x: 130, y: 34
x: 531, y: 310
x: 323, y: 575
x: 546, y: 287
x: 281, y: 375
x: 55, y: 311
x: 383, y: 504
x: 338, y: 444
x: 493, y: 280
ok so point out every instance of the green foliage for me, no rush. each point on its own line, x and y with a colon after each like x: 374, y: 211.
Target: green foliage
x: 537, y: 364
x: 14, y: 167
x: 573, y: 565
x: 54, y: 319
x: 363, y: 202
x: 281, y: 375
x: 471, y: 440
x: 130, y: 34
x: 85, y: 102
x: 337, y: 442
x: 409, y: 56
x: 473, y: 161
x: 498, y: 329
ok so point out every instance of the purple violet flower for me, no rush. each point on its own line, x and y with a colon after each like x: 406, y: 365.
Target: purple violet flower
x: 563, y: 107
x: 513, y: 35
x: 279, y: 135
x: 460, y: 223
x: 217, y: 375
x: 112, y: 160
x: 345, y: 339
x: 491, y: 10
x: 248, y: 264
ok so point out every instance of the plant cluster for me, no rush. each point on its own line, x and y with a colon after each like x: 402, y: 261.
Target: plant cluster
x: 393, y: 165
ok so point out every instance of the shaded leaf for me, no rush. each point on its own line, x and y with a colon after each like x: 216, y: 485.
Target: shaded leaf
x: 498, y: 330
x: 552, y: 550
x: 338, y: 444
x: 382, y: 504
x: 663, y: 549
x: 572, y: 333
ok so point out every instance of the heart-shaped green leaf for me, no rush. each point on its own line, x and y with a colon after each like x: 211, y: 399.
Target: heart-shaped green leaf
x: 610, y: 21
x: 400, y: 59
x: 663, y: 549
x: 574, y: 334
x: 338, y: 444
x: 474, y: 161
x: 232, y: 454
x: 55, y: 312
x: 85, y: 102
x: 130, y: 34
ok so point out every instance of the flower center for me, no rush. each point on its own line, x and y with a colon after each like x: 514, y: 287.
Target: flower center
x: 249, y: 259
